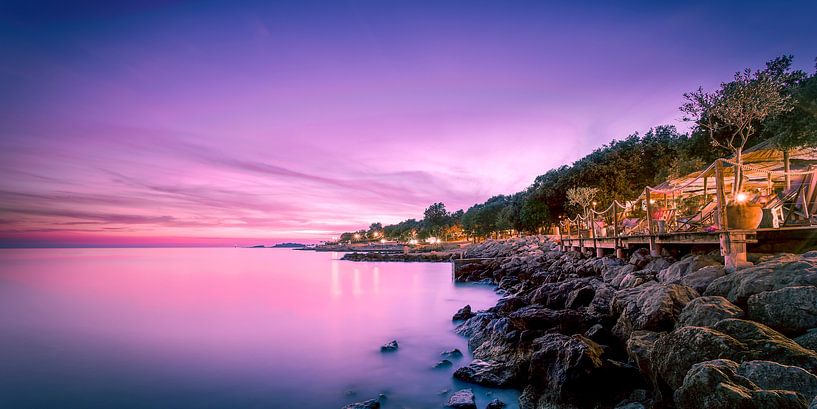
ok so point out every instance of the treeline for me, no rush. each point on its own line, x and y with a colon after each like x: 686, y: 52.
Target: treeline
x: 620, y: 170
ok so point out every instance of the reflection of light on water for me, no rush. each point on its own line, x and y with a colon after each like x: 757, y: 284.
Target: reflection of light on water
x: 336, y: 288
x: 356, y: 287
x: 376, y: 279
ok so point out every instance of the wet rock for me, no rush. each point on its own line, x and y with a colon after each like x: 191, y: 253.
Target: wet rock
x: 452, y: 353
x: 463, y: 314
x: 495, y: 404
x: 652, y: 307
x: 390, y: 346
x: 462, y: 399
x: 789, y: 271
x: 443, y: 364
x: 508, y: 305
x: 369, y: 404
x: 486, y: 373
x: 718, y: 384
x: 707, y: 311
x: 790, y: 310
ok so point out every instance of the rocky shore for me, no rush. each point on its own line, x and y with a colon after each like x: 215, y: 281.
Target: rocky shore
x: 574, y: 331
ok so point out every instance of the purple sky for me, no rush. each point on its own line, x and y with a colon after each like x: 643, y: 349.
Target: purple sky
x: 208, y: 123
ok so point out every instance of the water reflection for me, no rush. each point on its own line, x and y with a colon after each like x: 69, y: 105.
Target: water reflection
x: 190, y: 328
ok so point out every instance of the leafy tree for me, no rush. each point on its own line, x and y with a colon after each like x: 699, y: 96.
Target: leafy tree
x: 732, y: 113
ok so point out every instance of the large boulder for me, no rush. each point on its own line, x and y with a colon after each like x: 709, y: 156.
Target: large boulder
x: 676, y: 352
x: 707, y: 311
x: 701, y: 279
x: 688, y: 265
x: 636, y: 278
x: 493, y: 374
x: 790, y: 271
x: 790, y: 310
x: 718, y: 384
x: 764, y: 343
x: 536, y: 317
x: 639, y: 349
x: 772, y: 375
x: 571, y: 372
x: 640, y: 258
x: 651, y: 306
x: 462, y: 399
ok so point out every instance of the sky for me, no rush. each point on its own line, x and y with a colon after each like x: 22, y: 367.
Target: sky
x: 162, y: 123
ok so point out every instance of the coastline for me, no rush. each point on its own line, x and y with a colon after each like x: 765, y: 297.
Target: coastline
x: 576, y: 331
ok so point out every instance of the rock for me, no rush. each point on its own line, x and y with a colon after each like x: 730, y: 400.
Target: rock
x: 369, y: 404
x: 813, y: 404
x: 688, y: 265
x: 764, y: 343
x: 630, y: 405
x: 808, y: 340
x: 651, y: 306
x: 462, y: 399
x: 771, y: 275
x: 581, y: 297
x: 640, y: 258
x: 508, y: 305
x: 571, y: 371
x: 495, y: 404
x: 674, y: 354
x: 701, y: 279
x: 707, y: 311
x: 452, y: 353
x: 540, y: 318
x: 389, y: 347
x: 622, y: 272
x: 443, y: 364
x: 463, y: 314
x: 636, y: 278
x: 790, y: 310
x: 717, y: 384
x: 771, y: 375
x: 639, y: 349
x: 494, y: 374
x: 600, y: 335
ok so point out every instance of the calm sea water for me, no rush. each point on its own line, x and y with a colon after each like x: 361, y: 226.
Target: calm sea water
x: 226, y: 328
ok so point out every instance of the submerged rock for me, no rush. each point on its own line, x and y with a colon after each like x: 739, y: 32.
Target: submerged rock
x: 443, y: 364
x: 462, y: 399
x: 452, y: 353
x: 369, y: 404
x: 495, y: 404
x: 389, y: 347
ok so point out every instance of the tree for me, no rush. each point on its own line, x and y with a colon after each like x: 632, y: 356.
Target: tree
x: 436, y: 218
x: 796, y: 128
x: 582, y: 196
x: 732, y: 114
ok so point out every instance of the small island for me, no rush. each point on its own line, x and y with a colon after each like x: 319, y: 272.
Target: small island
x: 288, y: 246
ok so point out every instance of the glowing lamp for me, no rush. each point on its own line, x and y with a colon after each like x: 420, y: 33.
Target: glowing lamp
x: 741, y: 197
x: 382, y: 241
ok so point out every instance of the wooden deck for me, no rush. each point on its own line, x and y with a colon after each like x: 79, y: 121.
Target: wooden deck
x: 734, y: 244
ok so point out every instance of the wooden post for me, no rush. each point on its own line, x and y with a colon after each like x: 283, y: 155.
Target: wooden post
x: 706, y: 194
x: 786, y: 168
x: 649, y: 210
x: 721, y: 196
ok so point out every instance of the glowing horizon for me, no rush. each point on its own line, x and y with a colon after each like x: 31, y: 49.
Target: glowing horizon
x: 214, y: 124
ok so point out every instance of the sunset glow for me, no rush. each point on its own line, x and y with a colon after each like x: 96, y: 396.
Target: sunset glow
x: 207, y: 125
